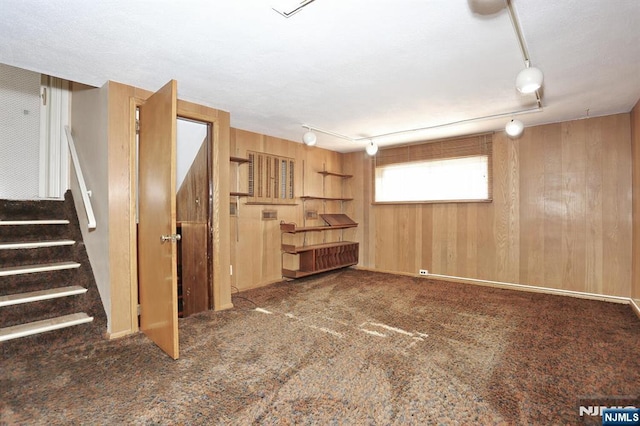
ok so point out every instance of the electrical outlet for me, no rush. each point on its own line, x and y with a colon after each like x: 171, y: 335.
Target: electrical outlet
x: 423, y: 272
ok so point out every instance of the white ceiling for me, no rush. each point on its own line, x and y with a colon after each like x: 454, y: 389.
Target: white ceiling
x: 359, y: 68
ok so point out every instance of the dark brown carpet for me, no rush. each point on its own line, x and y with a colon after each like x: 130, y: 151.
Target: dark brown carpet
x: 351, y: 347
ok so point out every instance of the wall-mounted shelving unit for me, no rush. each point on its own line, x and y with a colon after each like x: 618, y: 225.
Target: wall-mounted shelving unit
x: 326, y: 256
x: 317, y: 258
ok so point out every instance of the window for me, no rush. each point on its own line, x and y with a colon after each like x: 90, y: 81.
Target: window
x: 270, y: 179
x: 450, y: 170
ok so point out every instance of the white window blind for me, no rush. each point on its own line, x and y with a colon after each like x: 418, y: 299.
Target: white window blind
x: 448, y: 170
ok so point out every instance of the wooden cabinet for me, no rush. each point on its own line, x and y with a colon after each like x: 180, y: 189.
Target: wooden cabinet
x: 193, y: 269
x: 328, y: 255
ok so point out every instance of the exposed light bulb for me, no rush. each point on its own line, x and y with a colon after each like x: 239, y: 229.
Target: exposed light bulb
x: 309, y: 138
x: 529, y: 80
x: 371, y: 149
x: 514, y: 128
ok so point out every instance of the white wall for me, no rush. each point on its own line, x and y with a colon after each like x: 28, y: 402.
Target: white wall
x: 89, y: 129
x: 19, y: 133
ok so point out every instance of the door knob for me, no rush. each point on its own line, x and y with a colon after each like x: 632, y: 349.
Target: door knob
x: 171, y: 237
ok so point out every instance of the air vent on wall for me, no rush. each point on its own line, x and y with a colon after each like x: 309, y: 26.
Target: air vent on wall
x: 311, y: 214
x: 269, y: 214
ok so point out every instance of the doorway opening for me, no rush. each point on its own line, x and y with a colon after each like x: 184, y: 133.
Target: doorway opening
x: 194, y: 199
x: 158, y: 206
x: 194, y: 202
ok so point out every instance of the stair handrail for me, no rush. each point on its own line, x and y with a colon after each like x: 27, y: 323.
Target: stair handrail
x: 83, y: 186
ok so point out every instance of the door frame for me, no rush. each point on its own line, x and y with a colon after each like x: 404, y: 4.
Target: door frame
x: 219, y: 236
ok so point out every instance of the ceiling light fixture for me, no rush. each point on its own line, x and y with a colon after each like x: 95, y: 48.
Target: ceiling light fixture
x: 529, y: 80
x: 514, y: 128
x: 309, y: 138
x: 486, y: 7
x: 371, y: 148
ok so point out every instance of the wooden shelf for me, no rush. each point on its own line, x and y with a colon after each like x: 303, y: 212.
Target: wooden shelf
x: 337, y: 219
x: 309, y: 197
x: 260, y: 203
x: 292, y: 228
x: 292, y: 249
x: 239, y: 160
x: 239, y: 194
x: 327, y: 173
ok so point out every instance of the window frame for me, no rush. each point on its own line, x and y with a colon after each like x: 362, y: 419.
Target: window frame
x: 443, y: 149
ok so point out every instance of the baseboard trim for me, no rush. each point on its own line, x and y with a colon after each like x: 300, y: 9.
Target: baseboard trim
x: 119, y: 334
x: 255, y: 286
x: 224, y: 307
x: 534, y: 289
x: 383, y: 271
x: 635, y: 307
x: 513, y: 286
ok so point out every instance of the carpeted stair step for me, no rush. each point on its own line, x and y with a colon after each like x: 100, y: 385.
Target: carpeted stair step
x: 30, y: 251
x: 24, y: 283
x: 32, y: 210
x: 43, y: 267
x: 40, y: 308
x: 29, y: 231
x: 42, y: 326
x: 35, y: 244
x: 35, y: 296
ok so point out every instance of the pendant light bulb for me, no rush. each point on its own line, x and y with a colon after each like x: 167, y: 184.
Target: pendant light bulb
x: 309, y: 138
x: 371, y: 149
x: 514, y: 128
x: 529, y: 80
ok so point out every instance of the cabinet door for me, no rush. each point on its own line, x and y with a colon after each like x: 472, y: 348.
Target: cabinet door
x: 195, y: 268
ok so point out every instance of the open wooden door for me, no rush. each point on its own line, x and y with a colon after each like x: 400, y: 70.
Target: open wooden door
x: 157, y: 238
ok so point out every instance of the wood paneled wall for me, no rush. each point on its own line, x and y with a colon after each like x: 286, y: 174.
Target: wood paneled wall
x: 635, y: 147
x: 560, y: 216
x: 192, y: 199
x: 255, y: 243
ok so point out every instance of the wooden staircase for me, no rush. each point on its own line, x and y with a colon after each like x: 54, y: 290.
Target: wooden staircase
x: 46, y: 282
